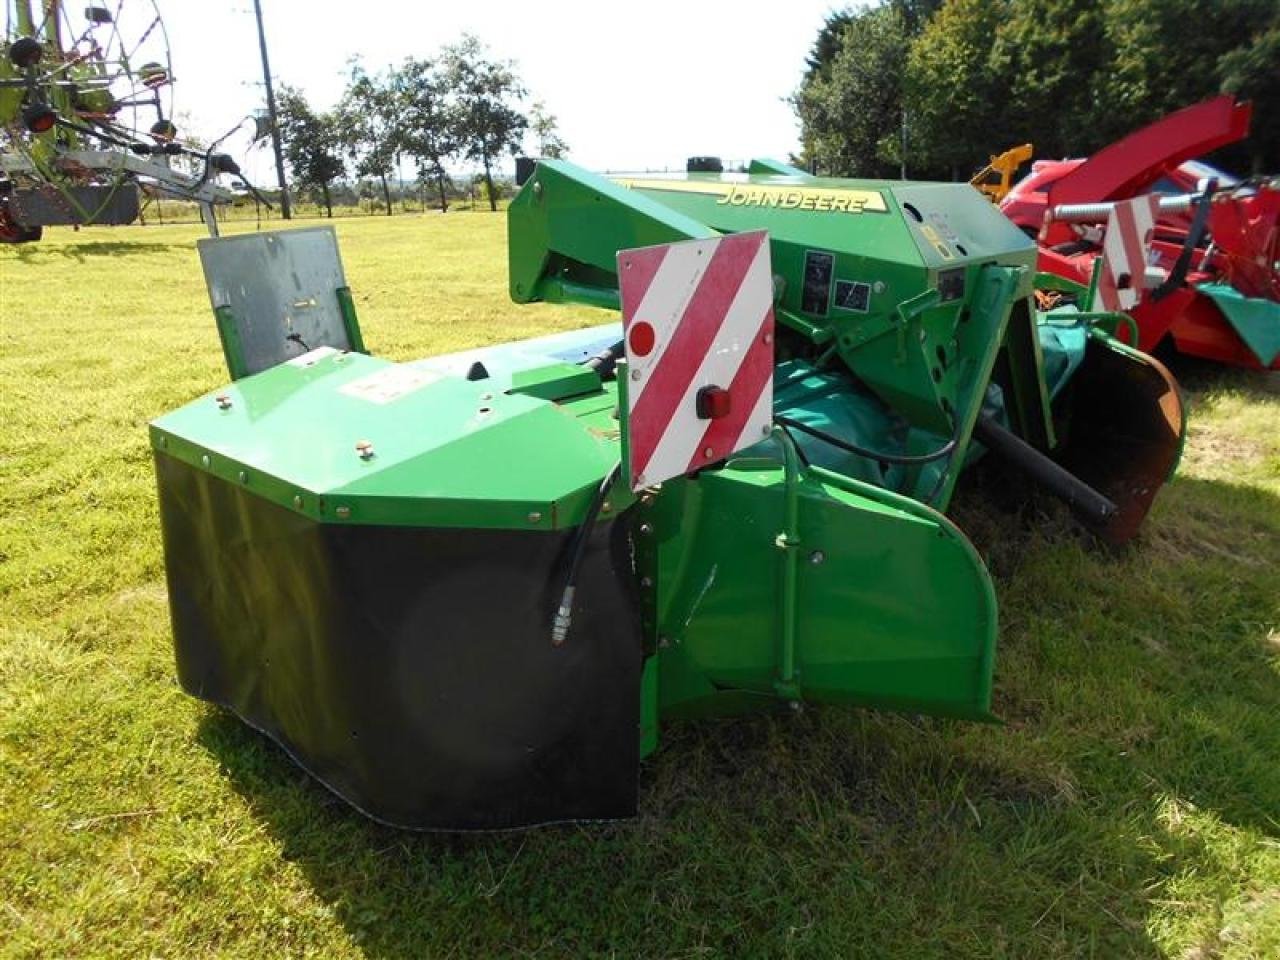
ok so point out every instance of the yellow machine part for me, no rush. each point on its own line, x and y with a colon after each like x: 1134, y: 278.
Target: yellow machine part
x: 996, y: 178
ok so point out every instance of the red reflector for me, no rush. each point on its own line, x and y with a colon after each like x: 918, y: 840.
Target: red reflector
x: 39, y: 117
x: 713, y: 403
x: 641, y: 339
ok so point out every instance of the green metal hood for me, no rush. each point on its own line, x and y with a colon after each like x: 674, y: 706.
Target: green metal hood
x: 443, y: 451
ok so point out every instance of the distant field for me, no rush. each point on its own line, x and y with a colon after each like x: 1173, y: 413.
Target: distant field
x: 1130, y: 807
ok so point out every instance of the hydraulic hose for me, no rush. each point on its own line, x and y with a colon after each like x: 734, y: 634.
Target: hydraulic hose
x: 897, y: 459
x: 564, y: 615
x: 606, y: 360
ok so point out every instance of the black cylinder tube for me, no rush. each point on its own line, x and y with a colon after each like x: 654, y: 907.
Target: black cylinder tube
x: 1088, y: 503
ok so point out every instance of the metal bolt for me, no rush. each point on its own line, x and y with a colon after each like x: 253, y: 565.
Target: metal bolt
x: 164, y: 441
x: 224, y: 402
x: 606, y: 507
x: 343, y: 513
x: 768, y: 338
x: 486, y: 396
x: 535, y: 517
x: 365, y: 449
x: 205, y: 460
x: 646, y: 582
x: 708, y: 453
x: 765, y: 430
x: 817, y: 557
x: 297, y: 502
x: 878, y: 286
x: 646, y: 499
x: 646, y: 528
x: 635, y: 374
x: 244, y: 477
x: 537, y: 189
x: 663, y: 642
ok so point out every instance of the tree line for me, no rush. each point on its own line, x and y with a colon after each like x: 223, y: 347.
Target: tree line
x: 936, y: 86
x: 458, y: 104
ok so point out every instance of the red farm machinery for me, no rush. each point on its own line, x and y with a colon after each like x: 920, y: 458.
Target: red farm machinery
x: 1202, y: 272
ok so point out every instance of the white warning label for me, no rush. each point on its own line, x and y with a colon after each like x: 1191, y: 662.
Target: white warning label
x: 389, y: 384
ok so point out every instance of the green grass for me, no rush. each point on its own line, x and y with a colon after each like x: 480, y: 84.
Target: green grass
x: 1129, y: 808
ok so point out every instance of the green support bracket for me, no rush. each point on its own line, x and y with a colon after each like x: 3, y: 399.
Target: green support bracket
x: 232, y: 350
x: 788, y: 542
x: 347, y: 305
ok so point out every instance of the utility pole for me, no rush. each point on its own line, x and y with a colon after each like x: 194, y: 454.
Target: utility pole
x: 903, y: 159
x: 286, y: 208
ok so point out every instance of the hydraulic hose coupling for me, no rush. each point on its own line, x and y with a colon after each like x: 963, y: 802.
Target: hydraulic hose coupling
x: 564, y: 617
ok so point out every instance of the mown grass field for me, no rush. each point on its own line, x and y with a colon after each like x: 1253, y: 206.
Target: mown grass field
x: 1130, y: 807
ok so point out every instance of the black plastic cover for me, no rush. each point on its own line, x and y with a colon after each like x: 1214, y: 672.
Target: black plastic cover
x: 411, y: 670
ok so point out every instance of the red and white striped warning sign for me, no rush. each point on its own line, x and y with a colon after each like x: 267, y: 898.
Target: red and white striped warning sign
x: 697, y: 318
x: 1124, y: 252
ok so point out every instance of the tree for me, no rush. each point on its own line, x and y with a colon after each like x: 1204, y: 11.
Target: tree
x: 1254, y: 72
x: 366, y: 125
x: 426, y: 121
x: 1068, y: 75
x: 311, y: 144
x: 850, y: 107
x: 543, y: 126
x: 484, y: 93
x: 954, y: 94
x: 1172, y: 53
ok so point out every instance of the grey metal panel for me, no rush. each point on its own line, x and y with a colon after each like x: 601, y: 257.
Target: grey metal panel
x: 278, y: 285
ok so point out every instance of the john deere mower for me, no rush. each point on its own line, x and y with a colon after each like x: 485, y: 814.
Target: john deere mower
x: 465, y: 592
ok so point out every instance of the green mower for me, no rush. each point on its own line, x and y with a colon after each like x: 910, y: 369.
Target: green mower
x: 465, y: 592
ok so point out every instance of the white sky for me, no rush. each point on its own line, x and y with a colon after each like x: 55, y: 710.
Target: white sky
x: 638, y: 85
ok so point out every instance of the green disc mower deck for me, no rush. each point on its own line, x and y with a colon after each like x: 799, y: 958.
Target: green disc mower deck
x: 427, y: 582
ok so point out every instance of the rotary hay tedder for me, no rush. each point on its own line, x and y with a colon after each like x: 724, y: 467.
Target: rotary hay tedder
x: 463, y: 592
x: 86, y: 134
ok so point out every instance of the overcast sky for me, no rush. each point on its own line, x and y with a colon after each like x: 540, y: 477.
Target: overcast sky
x: 638, y: 85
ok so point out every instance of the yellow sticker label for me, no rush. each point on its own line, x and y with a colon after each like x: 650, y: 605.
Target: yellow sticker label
x: 818, y: 199
x: 931, y: 235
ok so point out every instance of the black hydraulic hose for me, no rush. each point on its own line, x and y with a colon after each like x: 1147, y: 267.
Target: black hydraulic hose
x: 1091, y: 505
x: 606, y: 360
x: 901, y: 460
x: 564, y: 615
x: 1198, y: 223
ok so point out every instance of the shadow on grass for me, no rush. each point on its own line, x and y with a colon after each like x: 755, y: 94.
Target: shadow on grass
x: 1140, y: 690
x: 34, y: 252
x: 1197, y: 375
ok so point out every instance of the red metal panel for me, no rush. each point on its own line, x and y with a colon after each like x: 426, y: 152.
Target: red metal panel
x: 1128, y: 166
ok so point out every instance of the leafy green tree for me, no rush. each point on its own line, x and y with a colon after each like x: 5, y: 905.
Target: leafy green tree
x: 1068, y: 75
x: 485, y: 94
x: 311, y: 144
x: 1166, y: 54
x: 1044, y: 55
x: 426, y: 121
x: 1253, y: 71
x: 366, y: 124
x: 850, y: 100
x: 543, y: 127
x: 953, y: 90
